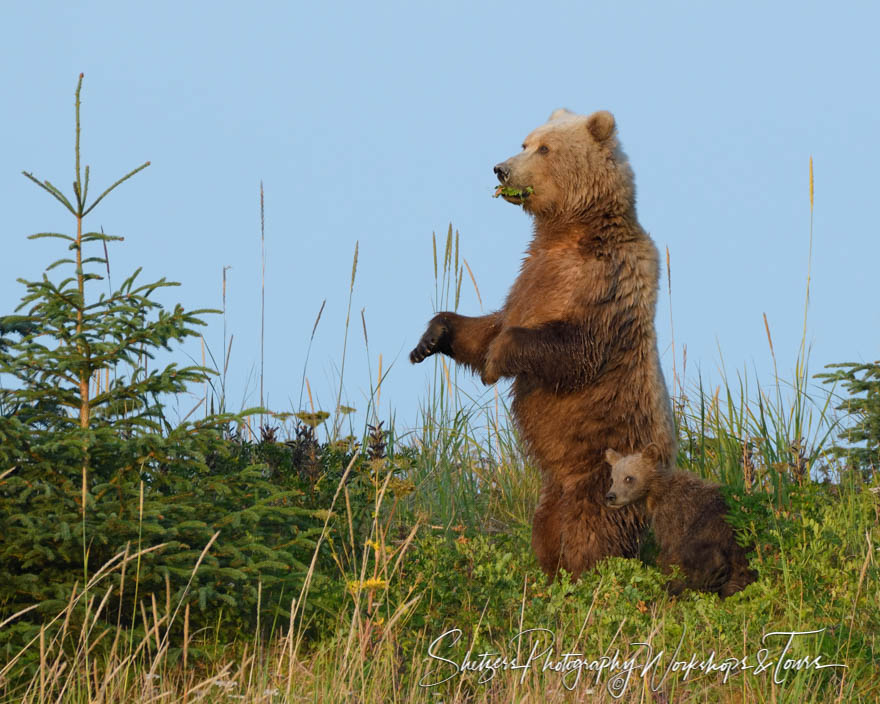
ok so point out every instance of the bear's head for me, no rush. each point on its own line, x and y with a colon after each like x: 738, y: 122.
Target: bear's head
x: 631, y: 475
x: 568, y: 167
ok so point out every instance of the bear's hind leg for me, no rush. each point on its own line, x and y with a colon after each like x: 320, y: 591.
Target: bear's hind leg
x: 591, y: 531
x: 547, y: 528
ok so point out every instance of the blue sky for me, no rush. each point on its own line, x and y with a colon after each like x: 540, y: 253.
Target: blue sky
x: 381, y: 123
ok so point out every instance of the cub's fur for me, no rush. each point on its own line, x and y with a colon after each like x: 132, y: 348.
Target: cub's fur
x: 687, y: 515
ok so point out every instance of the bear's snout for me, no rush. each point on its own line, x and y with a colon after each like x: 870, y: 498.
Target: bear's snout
x: 610, y: 498
x: 502, y: 171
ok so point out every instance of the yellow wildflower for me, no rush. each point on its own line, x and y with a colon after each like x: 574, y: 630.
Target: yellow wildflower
x: 375, y: 583
x: 355, y: 585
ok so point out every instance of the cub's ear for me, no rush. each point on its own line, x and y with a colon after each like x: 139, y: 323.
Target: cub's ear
x: 556, y: 114
x: 612, y: 456
x: 652, y: 453
x: 601, y: 125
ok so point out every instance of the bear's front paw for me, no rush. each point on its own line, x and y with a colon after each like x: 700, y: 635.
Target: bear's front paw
x: 435, y: 339
x: 490, y: 373
x: 494, y: 368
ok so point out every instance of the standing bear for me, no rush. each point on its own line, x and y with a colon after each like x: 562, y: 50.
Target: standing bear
x: 576, y: 334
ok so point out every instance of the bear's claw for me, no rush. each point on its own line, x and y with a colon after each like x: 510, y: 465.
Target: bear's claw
x: 426, y: 347
x: 419, y: 353
x: 430, y: 342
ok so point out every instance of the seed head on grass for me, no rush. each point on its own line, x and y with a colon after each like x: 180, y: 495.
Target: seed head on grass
x: 313, y: 420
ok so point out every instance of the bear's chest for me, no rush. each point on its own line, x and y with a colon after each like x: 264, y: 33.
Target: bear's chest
x: 552, y: 286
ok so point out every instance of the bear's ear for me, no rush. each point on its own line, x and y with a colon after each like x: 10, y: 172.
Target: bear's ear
x: 556, y: 114
x: 601, y: 125
x: 651, y: 453
x: 612, y: 456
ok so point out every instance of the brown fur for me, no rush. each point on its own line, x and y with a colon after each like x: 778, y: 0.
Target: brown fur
x: 576, y: 334
x: 687, y: 516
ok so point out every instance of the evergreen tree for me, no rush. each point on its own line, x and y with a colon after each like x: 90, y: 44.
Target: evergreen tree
x: 90, y: 466
x: 862, y: 381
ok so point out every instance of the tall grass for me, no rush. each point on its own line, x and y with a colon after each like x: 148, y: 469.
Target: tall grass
x: 470, y: 470
x: 463, y: 475
x: 746, y: 434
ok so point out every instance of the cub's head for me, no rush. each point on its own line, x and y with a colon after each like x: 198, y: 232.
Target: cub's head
x: 567, y: 167
x: 631, y: 475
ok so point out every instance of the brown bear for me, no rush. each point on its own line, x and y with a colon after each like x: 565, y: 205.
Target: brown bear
x: 576, y: 334
x: 687, y: 516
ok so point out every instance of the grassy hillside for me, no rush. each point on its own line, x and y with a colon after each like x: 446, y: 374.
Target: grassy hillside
x: 263, y: 557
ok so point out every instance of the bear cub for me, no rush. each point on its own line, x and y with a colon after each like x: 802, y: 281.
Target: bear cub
x: 687, y: 515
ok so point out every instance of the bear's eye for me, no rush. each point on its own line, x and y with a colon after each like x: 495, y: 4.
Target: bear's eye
x: 543, y: 149
x: 628, y: 480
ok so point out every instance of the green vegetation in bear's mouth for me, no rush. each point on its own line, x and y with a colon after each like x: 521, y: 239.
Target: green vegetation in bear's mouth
x: 513, y: 192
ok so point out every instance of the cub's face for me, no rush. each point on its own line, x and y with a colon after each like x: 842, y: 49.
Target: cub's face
x: 565, y: 165
x: 630, y: 476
